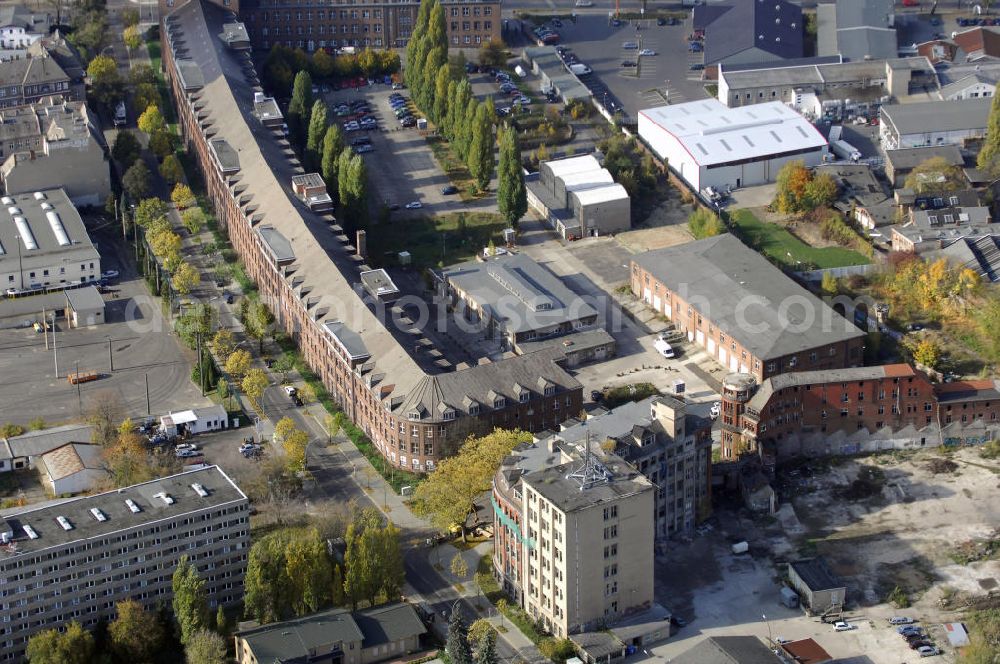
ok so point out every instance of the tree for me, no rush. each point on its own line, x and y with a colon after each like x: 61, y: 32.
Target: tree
x: 352, y: 183
x: 790, y: 187
x: 936, y: 176
x: 127, y: 460
x: 333, y: 145
x: 135, y: 634
x: 288, y: 574
x: 130, y: 16
x: 820, y: 191
x: 257, y: 322
x: 132, y: 38
x: 322, y: 64
x: 221, y: 622
x: 238, y: 364
x: 141, y: 73
x: 295, y: 445
x: 223, y: 342
x: 704, y: 223
x: 447, y: 496
x: 316, y: 136
x: 927, y: 353
x: 309, y: 572
x: 193, y: 219
x: 441, y: 82
x: 106, y: 83
x: 512, y: 197
x: 298, y: 108
x: 829, y: 284
x: 989, y: 154
x: 487, y: 648
x: 126, y: 149
x: 457, y: 645
x: 458, y: 566
x: 182, y: 196
x: 481, y: 147
x: 151, y: 120
x: 148, y: 211
x: 73, y: 646
x: 283, y: 365
x: 145, y: 94
x: 254, y: 384
x: 103, y: 414
x: 373, y: 560
x: 190, y: 602
x: 493, y: 54
x: 171, y: 169
x: 135, y: 182
x: 206, y: 647
x: 186, y: 278
x: 161, y: 142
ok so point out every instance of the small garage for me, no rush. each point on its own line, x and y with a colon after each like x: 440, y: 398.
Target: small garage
x: 194, y: 421
x: 84, y: 307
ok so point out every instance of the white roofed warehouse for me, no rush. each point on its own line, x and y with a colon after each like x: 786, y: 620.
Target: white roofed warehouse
x: 710, y: 145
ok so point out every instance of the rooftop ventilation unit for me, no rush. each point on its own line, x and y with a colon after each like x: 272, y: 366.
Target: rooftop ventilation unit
x: 200, y: 490
x: 98, y: 514
x: 132, y: 506
x: 64, y: 522
x: 165, y: 497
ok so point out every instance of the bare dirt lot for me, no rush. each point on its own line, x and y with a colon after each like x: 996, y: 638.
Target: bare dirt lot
x: 925, y: 522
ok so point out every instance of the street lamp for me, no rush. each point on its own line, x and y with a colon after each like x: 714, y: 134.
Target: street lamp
x: 764, y: 616
x: 111, y: 357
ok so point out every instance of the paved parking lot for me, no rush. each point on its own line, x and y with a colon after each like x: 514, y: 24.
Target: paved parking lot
x: 402, y: 168
x: 142, y: 345
x: 666, y: 75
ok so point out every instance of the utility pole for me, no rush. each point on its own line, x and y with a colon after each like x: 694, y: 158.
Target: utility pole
x: 45, y: 330
x: 55, y: 350
x: 201, y: 367
x: 111, y: 358
x: 146, y: 377
x: 79, y: 394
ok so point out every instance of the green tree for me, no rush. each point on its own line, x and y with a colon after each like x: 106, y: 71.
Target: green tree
x: 486, y: 652
x: 493, y: 54
x: 989, y: 154
x: 829, y: 284
x: 298, y: 108
x: 257, y: 323
x: 141, y: 73
x: 458, y: 566
x: 126, y: 149
x: 316, y: 136
x: 206, y: 647
x: 221, y: 622
x: 447, y: 496
x: 151, y: 120
x: 288, y: 574
x: 373, y: 561
x: 266, y: 584
x: 193, y: 220
x: 135, y: 182
x: 457, y: 644
x: 322, y: 64
x: 704, y: 223
x: 73, y: 646
x: 512, y: 196
x: 254, y: 384
x: 238, y: 364
x: 105, y: 82
x: 927, y: 353
x: 821, y: 191
x: 190, y: 602
x: 130, y: 16
x: 790, y: 186
x: 333, y: 146
x: 135, y: 634
x: 352, y: 183
x: 309, y: 572
x: 295, y: 445
x: 436, y: 59
x: 149, y: 210
x: 171, y: 169
x: 441, y: 82
x: 481, y: 147
x: 161, y: 143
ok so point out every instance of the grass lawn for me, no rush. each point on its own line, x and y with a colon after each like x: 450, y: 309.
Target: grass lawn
x: 463, y: 233
x: 453, y: 167
x: 787, y: 250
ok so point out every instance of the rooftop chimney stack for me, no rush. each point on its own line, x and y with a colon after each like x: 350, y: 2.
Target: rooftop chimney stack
x: 362, y: 244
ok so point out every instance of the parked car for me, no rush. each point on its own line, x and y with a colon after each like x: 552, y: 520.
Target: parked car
x: 841, y: 626
x: 628, y: 63
x: 648, y: 52
x: 297, y: 400
x: 186, y: 454
x: 910, y: 629
x: 661, y: 21
x: 414, y: 205
x: 109, y: 274
x: 291, y: 390
x: 900, y: 620
x: 630, y: 46
x: 408, y: 121
x: 352, y: 126
x: 398, y: 86
x: 596, y: 395
x: 363, y: 149
x: 928, y: 651
x: 664, y: 348
x: 187, y: 446
x: 697, y: 66
x: 449, y: 190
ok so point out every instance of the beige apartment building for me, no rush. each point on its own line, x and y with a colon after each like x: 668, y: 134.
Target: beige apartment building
x: 589, y: 542
x: 75, y: 559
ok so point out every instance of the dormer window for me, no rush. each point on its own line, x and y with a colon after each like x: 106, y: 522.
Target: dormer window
x: 523, y: 396
x: 953, y: 200
x: 414, y: 415
x: 550, y: 390
x: 474, y: 409
x: 448, y: 414
x: 499, y: 402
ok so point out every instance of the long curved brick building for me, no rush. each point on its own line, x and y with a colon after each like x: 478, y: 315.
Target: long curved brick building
x: 415, y: 412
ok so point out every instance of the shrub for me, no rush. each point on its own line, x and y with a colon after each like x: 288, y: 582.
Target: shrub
x: 558, y: 650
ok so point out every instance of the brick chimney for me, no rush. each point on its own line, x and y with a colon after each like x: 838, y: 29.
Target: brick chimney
x: 362, y: 244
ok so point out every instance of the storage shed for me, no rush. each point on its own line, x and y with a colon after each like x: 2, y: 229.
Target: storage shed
x: 819, y: 588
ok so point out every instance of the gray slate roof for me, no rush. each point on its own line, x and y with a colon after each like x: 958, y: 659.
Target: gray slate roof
x: 719, y: 275
x: 981, y: 254
x: 728, y: 650
x: 85, y: 299
x: 31, y: 71
x: 815, y: 574
x: 856, y: 29
x: 910, y: 158
x: 732, y: 27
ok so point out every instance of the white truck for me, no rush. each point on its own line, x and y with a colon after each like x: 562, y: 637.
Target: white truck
x: 845, y: 150
x: 580, y: 69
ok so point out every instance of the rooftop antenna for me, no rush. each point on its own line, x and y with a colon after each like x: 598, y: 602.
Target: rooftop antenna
x: 591, y: 472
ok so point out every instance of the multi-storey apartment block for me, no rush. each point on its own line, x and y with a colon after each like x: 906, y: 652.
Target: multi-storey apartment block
x: 74, y: 560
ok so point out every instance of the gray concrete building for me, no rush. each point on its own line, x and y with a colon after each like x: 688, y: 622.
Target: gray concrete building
x: 748, y: 32
x: 933, y: 123
x: 821, y: 591
x: 516, y: 300
x: 900, y: 163
x: 43, y: 243
x: 856, y: 29
x: 75, y: 559
x: 29, y: 79
x: 578, y: 197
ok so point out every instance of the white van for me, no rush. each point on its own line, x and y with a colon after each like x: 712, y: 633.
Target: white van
x: 121, y: 114
x: 664, y: 348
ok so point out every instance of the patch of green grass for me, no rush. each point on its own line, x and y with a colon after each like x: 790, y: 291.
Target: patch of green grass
x: 446, y: 239
x: 786, y: 250
x: 492, y: 592
x: 456, y: 169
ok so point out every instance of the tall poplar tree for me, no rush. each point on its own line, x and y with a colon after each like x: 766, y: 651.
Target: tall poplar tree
x: 512, y: 197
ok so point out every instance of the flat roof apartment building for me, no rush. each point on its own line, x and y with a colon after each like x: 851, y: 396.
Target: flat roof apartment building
x: 746, y: 313
x: 392, y: 381
x: 75, y: 559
